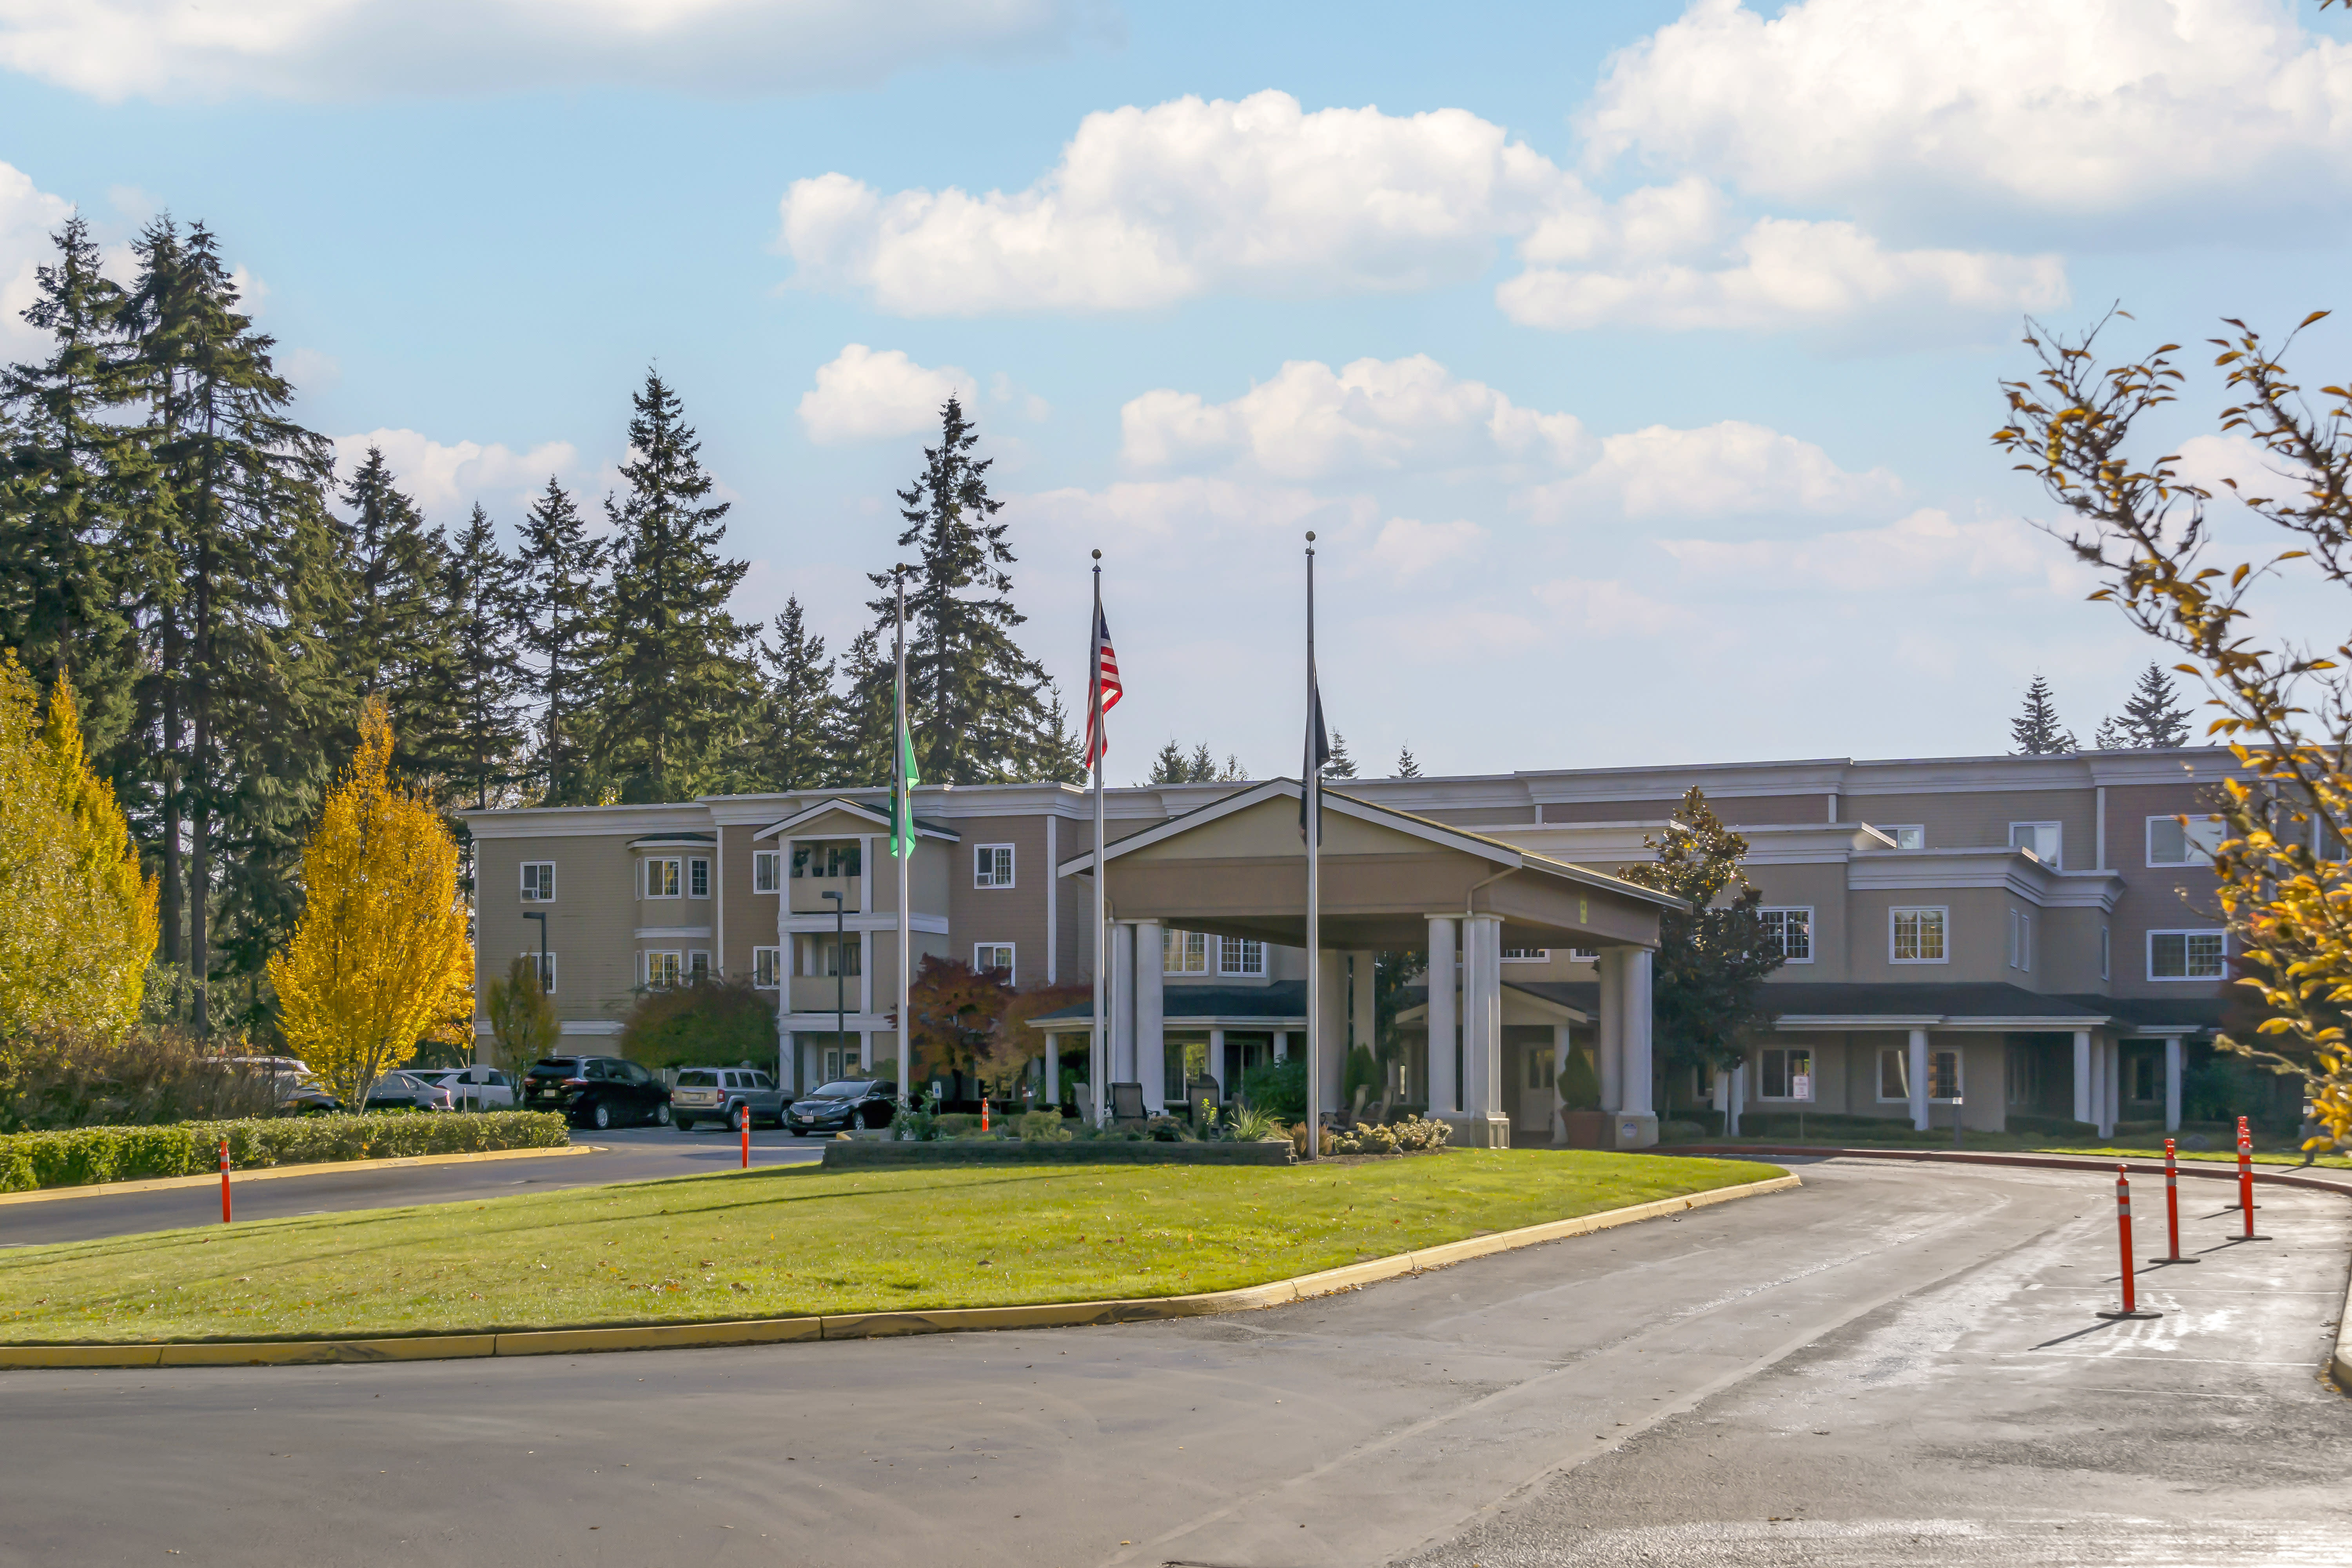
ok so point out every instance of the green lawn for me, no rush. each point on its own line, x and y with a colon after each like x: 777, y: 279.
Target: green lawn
x: 796, y: 1241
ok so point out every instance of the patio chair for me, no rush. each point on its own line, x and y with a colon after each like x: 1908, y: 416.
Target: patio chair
x: 1127, y: 1105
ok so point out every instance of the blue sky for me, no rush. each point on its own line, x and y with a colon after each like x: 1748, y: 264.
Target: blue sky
x: 1634, y: 362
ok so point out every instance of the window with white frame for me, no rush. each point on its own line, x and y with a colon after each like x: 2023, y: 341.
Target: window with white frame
x: 1791, y: 930
x: 992, y: 865
x: 765, y: 965
x: 824, y: 955
x: 1183, y: 952
x: 2182, y: 841
x: 1240, y: 955
x: 767, y: 870
x: 2042, y: 837
x: 2186, y: 954
x: 697, y: 878
x: 994, y: 955
x: 2020, y: 940
x: 1916, y: 935
x: 665, y: 876
x: 1944, y: 1076
x: 546, y: 962
x: 539, y: 881
x: 1527, y: 955
x: 662, y: 970
x: 1787, y: 1074
x: 1543, y: 1067
x: 1894, y: 1073
x: 698, y: 966
x: 1907, y: 834
x: 1584, y: 955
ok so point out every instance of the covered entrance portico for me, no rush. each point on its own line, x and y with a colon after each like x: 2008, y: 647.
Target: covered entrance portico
x: 1389, y: 882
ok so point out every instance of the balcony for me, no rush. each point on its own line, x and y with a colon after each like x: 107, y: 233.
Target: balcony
x: 814, y: 993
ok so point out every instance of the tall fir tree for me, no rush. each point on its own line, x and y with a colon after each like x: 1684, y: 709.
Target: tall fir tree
x: 562, y: 611
x: 475, y: 680
x: 240, y: 692
x: 2152, y: 716
x: 1342, y: 765
x: 677, y: 688
x: 1170, y: 765
x: 979, y: 701
x: 394, y: 641
x: 2036, y: 731
x: 75, y: 495
x: 860, y: 744
x: 1407, y: 765
x: 792, y: 743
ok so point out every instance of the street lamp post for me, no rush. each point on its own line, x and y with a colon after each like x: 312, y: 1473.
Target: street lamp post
x: 840, y: 971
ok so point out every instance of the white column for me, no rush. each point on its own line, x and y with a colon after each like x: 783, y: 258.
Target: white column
x: 864, y: 1050
x: 1444, y: 1093
x: 1151, y: 1033
x: 2083, y: 1075
x: 1121, y: 1066
x: 2111, y: 1103
x: 1365, y: 1032
x: 1919, y: 1080
x: 1332, y: 1050
x: 2172, y: 1054
x: 1609, y: 1053
x: 1739, y: 1099
x: 1216, y: 1052
x: 1281, y: 1036
x: 1560, y: 1045
x: 1634, y: 1061
x: 1053, y: 904
x: 1481, y: 1029
x: 1050, y: 1090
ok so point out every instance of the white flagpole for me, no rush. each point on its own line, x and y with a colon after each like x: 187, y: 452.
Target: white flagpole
x: 1312, y: 784
x: 1097, y: 1053
x: 906, y: 824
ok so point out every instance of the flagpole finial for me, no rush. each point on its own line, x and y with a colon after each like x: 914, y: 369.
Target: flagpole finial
x: 1098, y: 555
x: 1310, y: 536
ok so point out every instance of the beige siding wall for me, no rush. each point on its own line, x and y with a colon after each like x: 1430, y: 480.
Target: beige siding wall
x: 1733, y: 809
x: 1981, y: 819
x: 589, y: 925
x: 2155, y: 897
x: 1823, y: 888
x: 751, y: 917
x: 1014, y: 914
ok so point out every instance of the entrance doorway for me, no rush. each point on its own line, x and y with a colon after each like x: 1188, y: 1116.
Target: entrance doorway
x: 1244, y: 1053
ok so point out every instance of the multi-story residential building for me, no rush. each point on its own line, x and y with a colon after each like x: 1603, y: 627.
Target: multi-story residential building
x: 1979, y: 937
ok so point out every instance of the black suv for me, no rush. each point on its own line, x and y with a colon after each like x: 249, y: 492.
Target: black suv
x: 595, y: 1091
x: 838, y: 1106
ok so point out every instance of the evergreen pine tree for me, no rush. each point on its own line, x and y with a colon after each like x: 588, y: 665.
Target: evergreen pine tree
x: 980, y: 701
x: 1342, y: 765
x: 2036, y: 729
x: 860, y: 741
x: 1064, y: 753
x: 562, y: 608
x: 396, y: 636
x: 73, y: 543
x: 1170, y: 767
x: 794, y: 741
x: 1234, y: 772
x: 1406, y: 766
x: 677, y: 691
x: 475, y: 680
x: 239, y: 692
x: 2152, y: 716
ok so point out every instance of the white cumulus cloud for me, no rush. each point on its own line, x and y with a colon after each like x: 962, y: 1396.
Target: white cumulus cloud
x: 1310, y: 421
x: 1728, y: 469
x: 1406, y: 547
x: 444, y: 479
x: 28, y: 216
x: 2065, y: 109
x: 1927, y: 550
x: 330, y: 50
x: 861, y: 395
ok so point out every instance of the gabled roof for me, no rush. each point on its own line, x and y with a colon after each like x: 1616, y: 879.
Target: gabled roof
x: 864, y: 813
x: 1492, y: 850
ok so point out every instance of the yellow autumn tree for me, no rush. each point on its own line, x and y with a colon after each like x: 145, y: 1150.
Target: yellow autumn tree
x: 379, y: 960
x: 78, y: 923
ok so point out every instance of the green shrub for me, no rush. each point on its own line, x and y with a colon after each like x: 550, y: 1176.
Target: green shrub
x: 1042, y: 1127
x: 1278, y: 1088
x: 84, y: 1156
x: 713, y: 1023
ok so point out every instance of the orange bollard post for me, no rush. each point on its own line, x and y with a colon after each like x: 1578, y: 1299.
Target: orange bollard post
x: 2123, y: 1226
x: 984, y: 1110
x: 747, y: 1135
x: 2246, y: 1183
x: 2172, y: 1211
x: 224, y: 1219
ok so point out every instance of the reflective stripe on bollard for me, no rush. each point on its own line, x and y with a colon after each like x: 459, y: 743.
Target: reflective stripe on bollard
x: 224, y: 1219
x: 2122, y: 1230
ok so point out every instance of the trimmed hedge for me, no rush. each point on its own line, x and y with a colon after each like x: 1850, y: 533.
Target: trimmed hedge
x: 85, y: 1156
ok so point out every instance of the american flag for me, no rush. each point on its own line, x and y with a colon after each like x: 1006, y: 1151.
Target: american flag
x: 1104, y: 681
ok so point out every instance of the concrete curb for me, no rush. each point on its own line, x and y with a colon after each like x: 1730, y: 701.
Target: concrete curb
x: 861, y: 1325
x: 272, y: 1173
x: 2213, y: 1168
x: 2339, y: 1365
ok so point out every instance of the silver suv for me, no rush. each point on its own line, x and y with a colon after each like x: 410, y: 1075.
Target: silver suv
x: 726, y: 1094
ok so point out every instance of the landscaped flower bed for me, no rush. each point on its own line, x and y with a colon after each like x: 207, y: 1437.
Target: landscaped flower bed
x: 85, y: 1156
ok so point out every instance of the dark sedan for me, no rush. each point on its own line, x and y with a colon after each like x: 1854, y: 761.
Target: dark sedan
x: 595, y: 1091
x: 838, y: 1106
